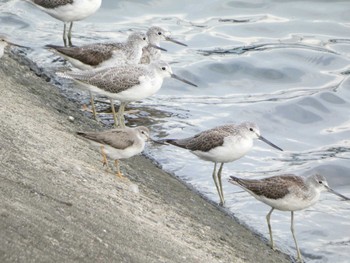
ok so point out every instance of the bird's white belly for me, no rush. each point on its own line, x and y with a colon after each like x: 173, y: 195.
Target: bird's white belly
x: 230, y: 151
x: 79, y: 10
x: 147, y: 88
x: 289, y: 202
x: 121, y: 154
x: 117, y: 154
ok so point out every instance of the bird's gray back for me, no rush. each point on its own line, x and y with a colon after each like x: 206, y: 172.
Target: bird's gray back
x: 93, y: 54
x: 113, y: 79
x: 274, y: 187
x: 206, y: 140
x: 116, y: 138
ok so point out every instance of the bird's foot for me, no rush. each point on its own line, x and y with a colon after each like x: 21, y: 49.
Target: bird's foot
x: 120, y: 175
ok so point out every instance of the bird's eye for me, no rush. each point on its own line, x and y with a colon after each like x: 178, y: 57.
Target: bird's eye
x: 320, y: 182
x: 163, y: 68
x: 159, y: 33
x: 144, y: 38
x: 251, y: 129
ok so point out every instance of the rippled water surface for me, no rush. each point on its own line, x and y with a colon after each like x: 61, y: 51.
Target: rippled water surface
x: 281, y: 64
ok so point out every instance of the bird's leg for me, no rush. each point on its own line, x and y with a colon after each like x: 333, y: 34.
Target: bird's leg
x: 295, y: 240
x: 64, y: 34
x: 268, y: 216
x: 93, y: 105
x: 116, y: 164
x: 104, y: 157
x: 220, y: 185
x: 216, y: 182
x: 121, y: 114
x: 114, y: 115
x: 70, y: 34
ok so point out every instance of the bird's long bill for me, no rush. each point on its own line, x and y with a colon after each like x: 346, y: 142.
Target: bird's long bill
x: 269, y: 143
x: 157, y: 47
x: 162, y: 142
x: 183, y: 80
x: 175, y: 41
x: 336, y: 193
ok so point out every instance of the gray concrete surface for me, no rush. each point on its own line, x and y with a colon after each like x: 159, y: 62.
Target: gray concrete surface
x: 57, y: 203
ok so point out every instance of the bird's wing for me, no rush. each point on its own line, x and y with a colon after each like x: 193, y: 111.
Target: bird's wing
x: 92, y: 55
x: 117, y: 138
x: 114, y: 80
x: 204, y: 141
x: 51, y: 3
x: 274, y: 187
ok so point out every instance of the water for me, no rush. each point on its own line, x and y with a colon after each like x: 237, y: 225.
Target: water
x: 281, y: 64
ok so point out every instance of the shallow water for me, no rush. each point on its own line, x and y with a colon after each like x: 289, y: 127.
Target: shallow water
x: 281, y: 64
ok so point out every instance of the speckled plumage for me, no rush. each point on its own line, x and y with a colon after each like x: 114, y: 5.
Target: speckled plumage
x: 125, y: 83
x: 222, y: 144
x: 52, y: 3
x: 287, y: 193
x: 104, y: 54
x: 275, y: 187
x: 112, y: 79
x: 207, y: 140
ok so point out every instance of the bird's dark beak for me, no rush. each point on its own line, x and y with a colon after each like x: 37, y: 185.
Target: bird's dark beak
x: 183, y: 80
x: 336, y: 193
x: 160, y: 48
x: 175, y: 41
x: 269, y: 143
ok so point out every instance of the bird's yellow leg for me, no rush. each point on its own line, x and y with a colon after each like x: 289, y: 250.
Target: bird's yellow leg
x: 104, y: 156
x: 119, y: 174
x: 93, y: 105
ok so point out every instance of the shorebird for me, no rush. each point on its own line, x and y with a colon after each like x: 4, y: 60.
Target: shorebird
x: 100, y: 55
x: 125, y: 83
x: 4, y: 43
x: 118, y: 143
x: 286, y: 193
x: 155, y: 36
x: 68, y: 11
x: 222, y: 144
